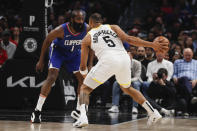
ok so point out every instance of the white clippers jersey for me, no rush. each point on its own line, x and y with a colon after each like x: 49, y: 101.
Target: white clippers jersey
x: 105, y: 42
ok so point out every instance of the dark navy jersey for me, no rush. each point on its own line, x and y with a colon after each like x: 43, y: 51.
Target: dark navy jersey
x: 71, y: 43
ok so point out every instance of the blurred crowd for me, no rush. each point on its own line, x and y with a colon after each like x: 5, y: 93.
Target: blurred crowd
x: 167, y: 80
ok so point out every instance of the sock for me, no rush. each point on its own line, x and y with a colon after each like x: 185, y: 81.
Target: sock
x: 147, y: 106
x: 40, y: 103
x: 83, y: 109
x: 78, y: 105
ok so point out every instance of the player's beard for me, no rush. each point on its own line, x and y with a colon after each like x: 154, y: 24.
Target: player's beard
x: 78, y: 27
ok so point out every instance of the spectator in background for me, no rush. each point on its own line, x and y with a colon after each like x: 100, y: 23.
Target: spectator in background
x: 181, y: 42
x: 3, y: 22
x: 152, y: 69
x: 194, y: 38
x: 67, y: 15
x: 183, y: 35
x: 52, y: 26
x: 161, y: 88
x: 178, y: 49
x: 151, y: 36
x: 133, y: 51
x: 1, y: 30
x: 7, y: 45
x: 136, y: 83
x: 149, y: 54
x: 51, y: 18
x: 185, y: 75
x: 176, y: 56
x: 155, y: 65
x: 15, y: 33
x: 141, y: 56
x: 175, y: 29
x: 157, y: 29
x: 166, y: 56
x: 166, y: 7
x: 19, y: 23
x: 160, y: 23
x: 189, y: 43
x: 3, y: 56
x: 60, y: 20
x: 54, y: 23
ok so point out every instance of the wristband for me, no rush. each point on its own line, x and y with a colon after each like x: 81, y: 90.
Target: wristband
x: 85, y: 72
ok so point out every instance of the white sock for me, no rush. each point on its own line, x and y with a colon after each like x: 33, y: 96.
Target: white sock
x: 78, y: 105
x: 83, y: 109
x: 40, y: 103
x: 147, y: 106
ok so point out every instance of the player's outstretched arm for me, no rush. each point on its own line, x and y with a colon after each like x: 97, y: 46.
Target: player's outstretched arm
x: 137, y: 41
x: 91, y: 59
x: 91, y: 53
x: 85, y: 45
x: 56, y: 33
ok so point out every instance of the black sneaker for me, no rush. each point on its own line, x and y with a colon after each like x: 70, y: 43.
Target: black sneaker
x: 36, y: 117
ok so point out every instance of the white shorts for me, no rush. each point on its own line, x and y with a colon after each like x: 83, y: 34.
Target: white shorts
x: 120, y: 66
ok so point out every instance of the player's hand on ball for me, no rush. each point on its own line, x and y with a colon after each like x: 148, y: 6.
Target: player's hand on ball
x: 161, y: 44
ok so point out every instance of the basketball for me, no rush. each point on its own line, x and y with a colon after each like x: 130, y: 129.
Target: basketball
x: 162, y: 39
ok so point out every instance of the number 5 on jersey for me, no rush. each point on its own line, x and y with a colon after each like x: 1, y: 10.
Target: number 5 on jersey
x: 109, y: 42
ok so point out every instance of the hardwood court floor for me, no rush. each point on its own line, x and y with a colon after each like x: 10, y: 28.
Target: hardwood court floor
x: 100, y: 120
x: 166, y: 124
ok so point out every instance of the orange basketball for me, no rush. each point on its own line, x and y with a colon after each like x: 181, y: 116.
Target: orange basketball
x: 162, y: 39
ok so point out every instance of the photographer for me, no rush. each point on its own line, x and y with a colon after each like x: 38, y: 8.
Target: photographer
x: 161, y: 89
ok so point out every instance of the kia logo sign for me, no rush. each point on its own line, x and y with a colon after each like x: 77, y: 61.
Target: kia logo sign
x: 27, y: 81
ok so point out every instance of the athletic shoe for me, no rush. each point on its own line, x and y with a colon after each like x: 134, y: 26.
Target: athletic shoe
x: 134, y: 110
x: 194, y: 100
x: 36, y: 117
x: 75, y: 114
x: 114, y: 109
x: 153, y: 118
x: 81, y: 122
x: 167, y: 112
x: 170, y: 113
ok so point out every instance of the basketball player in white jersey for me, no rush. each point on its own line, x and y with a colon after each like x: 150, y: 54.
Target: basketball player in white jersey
x: 106, y: 41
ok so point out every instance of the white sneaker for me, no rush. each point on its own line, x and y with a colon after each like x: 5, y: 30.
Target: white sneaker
x: 114, y: 109
x: 81, y: 122
x: 134, y: 110
x: 170, y: 113
x: 194, y: 100
x: 153, y: 118
x: 167, y: 112
x: 75, y: 115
